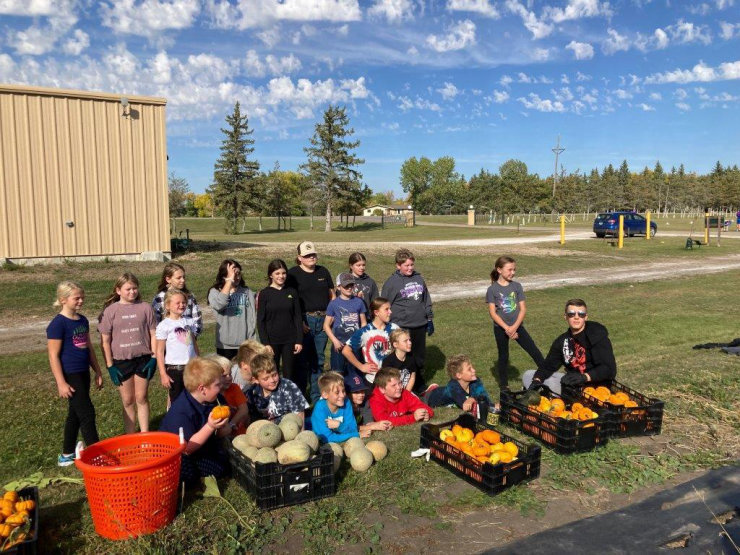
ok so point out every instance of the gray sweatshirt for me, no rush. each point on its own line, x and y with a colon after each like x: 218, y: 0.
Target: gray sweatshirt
x: 411, y: 304
x: 236, y: 317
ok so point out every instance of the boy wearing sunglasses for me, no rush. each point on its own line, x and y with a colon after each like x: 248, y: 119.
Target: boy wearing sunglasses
x: 585, y: 350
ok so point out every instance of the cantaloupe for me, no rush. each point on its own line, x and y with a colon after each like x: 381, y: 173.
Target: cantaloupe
x: 290, y: 429
x: 361, y: 459
x: 293, y: 452
x: 240, y: 442
x: 269, y: 435
x: 251, y: 434
x: 378, y: 449
x: 338, y: 455
x: 351, y: 444
x: 294, y: 417
x: 266, y: 455
x: 310, y: 439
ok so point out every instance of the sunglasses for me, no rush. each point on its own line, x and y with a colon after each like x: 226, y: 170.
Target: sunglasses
x: 580, y: 313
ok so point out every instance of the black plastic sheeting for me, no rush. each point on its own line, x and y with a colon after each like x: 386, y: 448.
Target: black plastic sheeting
x: 674, y: 521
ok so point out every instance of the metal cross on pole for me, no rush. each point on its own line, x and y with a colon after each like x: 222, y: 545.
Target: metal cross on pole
x: 557, y: 150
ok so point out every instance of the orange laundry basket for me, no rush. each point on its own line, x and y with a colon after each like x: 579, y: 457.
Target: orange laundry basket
x: 132, y: 482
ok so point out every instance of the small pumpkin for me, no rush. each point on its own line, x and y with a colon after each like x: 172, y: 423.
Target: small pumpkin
x: 10, y: 496
x: 220, y: 412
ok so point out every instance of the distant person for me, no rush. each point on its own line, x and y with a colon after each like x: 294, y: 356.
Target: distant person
x: 173, y: 275
x: 71, y: 355
x: 585, y: 350
x: 411, y: 307
x: 315, y: 290
x: 234, y: 308
x: 507, y: 308
x: 279, y: 319
x: 365, y: 286
x: 737, y: 219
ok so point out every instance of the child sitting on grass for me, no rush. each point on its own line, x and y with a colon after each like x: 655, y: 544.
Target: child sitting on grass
x: 241, y: 373
x: 357, y: 389
x: 191, y: 411
x: 236, y: 400
x: 390, y: 401
x: 273, y: 397
x: 332, y: 418
x: 463, y: 389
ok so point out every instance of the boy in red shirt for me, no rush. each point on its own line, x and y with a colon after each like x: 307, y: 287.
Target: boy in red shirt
x: 391, y: 401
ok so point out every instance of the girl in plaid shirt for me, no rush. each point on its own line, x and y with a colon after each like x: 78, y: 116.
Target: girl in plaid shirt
x: 173, y: 275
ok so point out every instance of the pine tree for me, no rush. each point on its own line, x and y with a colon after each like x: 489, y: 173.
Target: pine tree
x: 234, y: 175
x: 331, y: 164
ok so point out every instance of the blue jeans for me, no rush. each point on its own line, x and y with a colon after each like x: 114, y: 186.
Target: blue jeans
x: 311, y: 358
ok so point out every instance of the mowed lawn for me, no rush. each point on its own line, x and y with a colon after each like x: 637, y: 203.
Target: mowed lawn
x: 652, y: 325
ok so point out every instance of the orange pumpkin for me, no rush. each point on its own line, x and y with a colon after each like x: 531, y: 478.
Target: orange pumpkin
x: 630, y: 404
x: 220, y: 412
x: 576, y: 407
x: 557, y: 405
x: 11, y: 496
x: 491, y: 437
x: 615, y: 400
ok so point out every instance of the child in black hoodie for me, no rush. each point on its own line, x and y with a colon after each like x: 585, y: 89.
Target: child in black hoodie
x: 365, y: 286
x: 584, y: 350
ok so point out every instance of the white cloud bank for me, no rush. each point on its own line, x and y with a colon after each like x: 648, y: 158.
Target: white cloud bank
x: 459, y: 35
x: 581, y: 50
x: 701, y: 73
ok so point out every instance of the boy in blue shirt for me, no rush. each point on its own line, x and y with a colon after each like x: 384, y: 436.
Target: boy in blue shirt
x: 462, y: 389
x: 191, y: 411
x: 344, y: 316
x: 333, y: 419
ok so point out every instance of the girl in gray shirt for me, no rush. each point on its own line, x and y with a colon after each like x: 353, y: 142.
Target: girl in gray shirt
x: 234, y: 308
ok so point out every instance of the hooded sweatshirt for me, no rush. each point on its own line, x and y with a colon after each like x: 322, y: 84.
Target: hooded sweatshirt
x: 587, y: 352
x: 365, y: 285
x: 236, y: 318
x: 411, y: 304
x: 400, y: 412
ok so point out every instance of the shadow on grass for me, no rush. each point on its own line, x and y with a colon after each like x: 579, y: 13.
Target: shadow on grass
x: 62, y: 525
x: 514, y: 376
x: 435, y: 359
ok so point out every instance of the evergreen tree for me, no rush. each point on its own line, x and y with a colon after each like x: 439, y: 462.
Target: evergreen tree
x: 331, y: 164
x: 234, y: 175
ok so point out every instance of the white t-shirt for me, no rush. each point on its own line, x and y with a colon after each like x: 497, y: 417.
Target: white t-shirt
x: 179, y: 334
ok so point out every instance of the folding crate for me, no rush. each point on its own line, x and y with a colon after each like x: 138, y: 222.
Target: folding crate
x: 564, y: 436
x: 275, y: 485
x: 487, y: 477
x: 646, y: 419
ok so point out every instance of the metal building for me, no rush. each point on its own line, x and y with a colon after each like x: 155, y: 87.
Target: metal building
x: 82, y: 174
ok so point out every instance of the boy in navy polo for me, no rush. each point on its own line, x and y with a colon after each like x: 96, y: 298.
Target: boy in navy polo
x: 191, y: 411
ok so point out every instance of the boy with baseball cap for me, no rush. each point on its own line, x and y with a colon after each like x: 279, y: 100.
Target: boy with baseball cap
x: 344, y: 316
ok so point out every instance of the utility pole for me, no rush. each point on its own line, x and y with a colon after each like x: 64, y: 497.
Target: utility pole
x: 557, y: 150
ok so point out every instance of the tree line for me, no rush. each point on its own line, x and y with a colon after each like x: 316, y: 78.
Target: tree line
x: 435, y: 187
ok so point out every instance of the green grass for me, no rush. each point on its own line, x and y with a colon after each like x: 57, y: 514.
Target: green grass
x: 652, y: 327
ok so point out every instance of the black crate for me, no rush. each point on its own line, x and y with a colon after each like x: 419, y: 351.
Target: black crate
x: 28, y: 547
x: 646, y: 419
x: 487, y: 477
x: 275, y: 485
x: 565, y: 436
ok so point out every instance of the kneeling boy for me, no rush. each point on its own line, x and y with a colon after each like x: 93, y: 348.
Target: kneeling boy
x: 463, y: 388
x: 333, y: 419
x: 390, y: 401
x: 191, y: 411
x: 273, y: 397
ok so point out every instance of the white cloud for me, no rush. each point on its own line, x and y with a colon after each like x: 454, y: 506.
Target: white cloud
x: 343, y: 30
x: 699, y: 73
x: 681, y: 94
x: 534, y: 102
x: 540, y: 54
x: 577, y: 9
x: 449, y: 91
x: 545, y: 80
x: 253, y: 65
x: 393, y: 11
x: 645, y: 107
x: 412, y: 51
x: 661, y: 39
x: 656, y: 96
x: 481, y: 7
x: 563, y: 95
x: 247, y: 14
x: 160, y: 67
x: 459, y: 35
x: 38, y: 39
x: 581, y: 50
x: 29, y: 8
x: 270, y: 37
x: 699, y: 9
x: 538, y: 28
x: 686, y: 32
x: 424, y: 104
x: 524, y: 78
x: 582, y: 76
x: 505, y: 81
x: 615, y: 43
x: 149, y: 18
x: 564, y: 79
x: 729, y: 30
x: 683, y: 106
x: 722, y: 4
x: 75, y: 45
x: 499, y: 97
x: 622, y: 94
x: 7, y: 67
x: 280, y: 66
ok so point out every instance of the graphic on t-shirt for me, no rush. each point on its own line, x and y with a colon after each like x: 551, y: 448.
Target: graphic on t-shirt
x: 574, y: 355
x: 183, y: 335
x: 412, y: 290
x: 507, y: 303
x: 237, y: 303
x: 80, y: 337
x: 349, y: 322
x: 375, y: 346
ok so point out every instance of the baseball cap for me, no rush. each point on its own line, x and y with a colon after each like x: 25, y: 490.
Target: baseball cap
x: 353, y: 383
x: 345, y: 278
x: 306, y: 248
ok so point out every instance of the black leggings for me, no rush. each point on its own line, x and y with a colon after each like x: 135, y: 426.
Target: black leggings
x: 502, y: 343
x: 228, y: 353
x: 81, y: 413
x: 419, y: 350
x: 285, y: 354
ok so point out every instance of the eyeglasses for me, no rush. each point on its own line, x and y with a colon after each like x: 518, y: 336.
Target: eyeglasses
x: 580, y: 313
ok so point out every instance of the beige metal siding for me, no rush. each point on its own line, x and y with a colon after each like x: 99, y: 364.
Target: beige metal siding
x: 72, y: 156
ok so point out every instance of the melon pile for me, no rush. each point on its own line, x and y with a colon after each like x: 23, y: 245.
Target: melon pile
x: 266, y: 442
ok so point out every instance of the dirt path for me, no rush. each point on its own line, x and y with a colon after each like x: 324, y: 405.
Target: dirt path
x: 29, y: 335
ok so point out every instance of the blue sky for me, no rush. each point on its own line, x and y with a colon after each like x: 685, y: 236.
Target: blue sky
x: 480, y: 80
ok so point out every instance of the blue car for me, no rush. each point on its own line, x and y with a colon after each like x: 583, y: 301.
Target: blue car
x: 607, y: 223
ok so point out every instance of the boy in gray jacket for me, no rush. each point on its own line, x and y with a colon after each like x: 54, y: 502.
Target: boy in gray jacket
x: 411, y: 308
x: 234, y: 308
